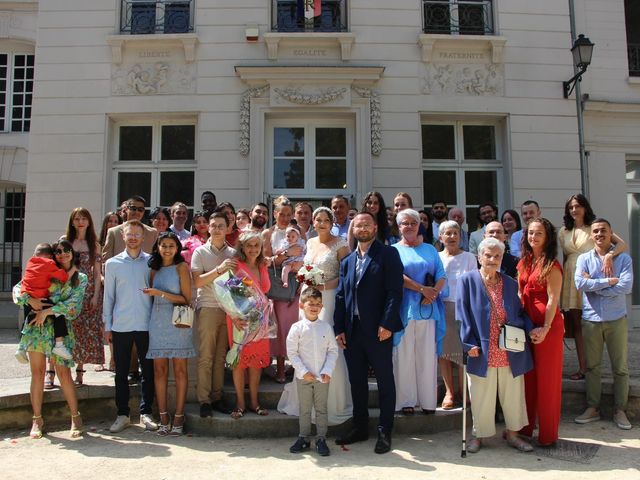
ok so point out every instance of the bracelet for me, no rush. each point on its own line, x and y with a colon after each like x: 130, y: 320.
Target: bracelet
x: 546, y: 325
x: 162, y: 294
x: 218, y: 271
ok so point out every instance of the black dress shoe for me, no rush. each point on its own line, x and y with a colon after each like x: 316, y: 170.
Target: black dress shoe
x: 355, y: 435
x: 322, y: 448
x: 383, y: 445
x: 219, y: 406
x: 205, y: 410
x: 300, y: 446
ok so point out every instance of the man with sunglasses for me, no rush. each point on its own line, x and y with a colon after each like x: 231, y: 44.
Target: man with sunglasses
x: 115, y: 244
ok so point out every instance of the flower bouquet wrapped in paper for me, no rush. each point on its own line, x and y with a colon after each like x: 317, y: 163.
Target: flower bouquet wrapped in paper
x: 240, y: 298
x: 310, y: 275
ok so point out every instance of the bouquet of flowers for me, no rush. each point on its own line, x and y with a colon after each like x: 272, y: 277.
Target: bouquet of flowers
x: 240, y: 298
x: 310, y: 275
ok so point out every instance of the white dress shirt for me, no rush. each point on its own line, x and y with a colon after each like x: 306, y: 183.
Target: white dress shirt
x: 312, y: 348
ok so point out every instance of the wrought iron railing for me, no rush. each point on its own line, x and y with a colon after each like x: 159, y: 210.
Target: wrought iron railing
x: 12, y: 200
x: 633, y: 50
x: 458, y: 17
x: 286, y: 17
x: 159, y: 16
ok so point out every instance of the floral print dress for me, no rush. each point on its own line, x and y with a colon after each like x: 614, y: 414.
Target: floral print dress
x: 67, y: 301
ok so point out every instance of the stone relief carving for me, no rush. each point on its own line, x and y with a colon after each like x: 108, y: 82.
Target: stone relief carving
x: 464, y: 79
x: 245, y: 114
x: 295, y: 95
x: 374, y: 107
x: 153, y: 78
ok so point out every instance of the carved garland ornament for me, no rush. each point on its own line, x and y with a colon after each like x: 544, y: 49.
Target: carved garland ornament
x: 245, y: 114
x: 374, y: 107
x: 294, y: 95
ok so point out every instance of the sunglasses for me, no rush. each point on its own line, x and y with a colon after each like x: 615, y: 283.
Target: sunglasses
x: 60, y: 251
x: 135, y: 209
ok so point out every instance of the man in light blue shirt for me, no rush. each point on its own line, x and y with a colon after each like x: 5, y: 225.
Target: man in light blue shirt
x: 529, y: 209
x: 604, y: 321
x: 340, y: 206
x: 126, y: 313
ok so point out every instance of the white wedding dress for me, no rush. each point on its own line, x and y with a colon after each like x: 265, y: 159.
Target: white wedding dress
x: 340, y: 406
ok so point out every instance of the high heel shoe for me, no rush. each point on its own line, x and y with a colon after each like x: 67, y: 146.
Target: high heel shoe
x: 79, y: 377
x: 164, y: 428
x: 76, y: 430
x: 177, y: 430
x: 36, y: 427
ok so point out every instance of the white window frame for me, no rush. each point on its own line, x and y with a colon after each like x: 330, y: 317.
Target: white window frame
x: 11, y: 54
x: 155, y: 165
x: 460, y: 165
x: 310, y: 125
x: 633, y: 187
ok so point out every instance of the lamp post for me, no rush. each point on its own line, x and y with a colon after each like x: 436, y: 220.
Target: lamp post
x: 582, y: 50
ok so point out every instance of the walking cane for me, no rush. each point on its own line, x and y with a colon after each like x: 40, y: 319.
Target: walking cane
x: 463, y: 453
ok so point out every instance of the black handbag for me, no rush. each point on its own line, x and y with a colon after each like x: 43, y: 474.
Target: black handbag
x: 278, y: 292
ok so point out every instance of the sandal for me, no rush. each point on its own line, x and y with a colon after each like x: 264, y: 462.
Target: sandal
x: 447, y: 404
x: 408, y: 410
x: 76, y: 430
x: 36, y: 427
x: 263, y: 412
x: 177, y: 430
x: 48, y: 382
x: 163, y: 428
x: 577, y: 376
x: 237, y: 413
x: 78, y: 381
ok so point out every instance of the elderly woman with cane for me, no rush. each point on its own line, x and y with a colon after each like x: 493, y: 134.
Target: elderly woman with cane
x: 487, y: 300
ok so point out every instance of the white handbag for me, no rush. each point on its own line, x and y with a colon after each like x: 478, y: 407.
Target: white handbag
x: 512, y: 339
x: 182, y: 316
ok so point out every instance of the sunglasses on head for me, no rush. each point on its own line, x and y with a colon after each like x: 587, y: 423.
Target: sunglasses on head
x: 60, y: 251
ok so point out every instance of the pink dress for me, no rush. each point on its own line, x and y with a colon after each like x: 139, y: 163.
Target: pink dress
x: 254, y: 354
x: 189, y: 246
x: 497, y: 357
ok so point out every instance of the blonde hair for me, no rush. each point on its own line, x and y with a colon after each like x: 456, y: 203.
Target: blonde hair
x: 242, y: 241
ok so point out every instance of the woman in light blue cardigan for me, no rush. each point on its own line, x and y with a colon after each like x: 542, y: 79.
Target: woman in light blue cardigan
x: 487, y: 299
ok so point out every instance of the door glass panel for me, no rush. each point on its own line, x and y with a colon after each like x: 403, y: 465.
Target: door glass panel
x: 135, y: 143
x: 331, y: 173
x: 439, y: 185
x: 479, y: 142
x: 481, y: 186
x: 176, y: 187
x: 133, y: 183
x: 288, y: 142
x: 633, y: 169
x: 438, y: 142
x: 331, y: 142
x: 633, y: 210
x: 288, y: 173
x: 178, y: 142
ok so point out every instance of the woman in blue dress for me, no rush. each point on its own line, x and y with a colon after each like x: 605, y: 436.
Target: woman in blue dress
x: 170, y: 281
x: 417, y: 347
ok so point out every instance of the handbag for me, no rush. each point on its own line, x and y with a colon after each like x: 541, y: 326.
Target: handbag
x: 512, y: 339
x: 278, y: 291
x: 182, y: 316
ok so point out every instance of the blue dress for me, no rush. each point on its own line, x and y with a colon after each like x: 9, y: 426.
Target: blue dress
x: 418, y: 262
x: 165, y: 340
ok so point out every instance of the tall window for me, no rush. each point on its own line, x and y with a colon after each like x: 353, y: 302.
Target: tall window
x: 633, y: 212
x: 632, y: 21
x: 155, y: 160
x: 140, y: 17
x: 458, y: 17
x: 314, y: 158
x: 16, y: 91
x: 288, y: 16
x: 461, y: 165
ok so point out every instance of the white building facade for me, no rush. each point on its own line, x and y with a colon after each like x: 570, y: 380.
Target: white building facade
x: 454, y: 100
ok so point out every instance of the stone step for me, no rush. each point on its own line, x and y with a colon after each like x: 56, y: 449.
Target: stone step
x: 278, y: 425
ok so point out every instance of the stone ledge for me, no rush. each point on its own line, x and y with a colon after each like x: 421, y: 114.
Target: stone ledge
x: 187, y: 41
x: 429, y: 41
x: 345, y: 40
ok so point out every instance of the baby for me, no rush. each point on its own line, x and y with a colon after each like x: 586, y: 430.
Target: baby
x: 292, y: 238
x: 41, y: 269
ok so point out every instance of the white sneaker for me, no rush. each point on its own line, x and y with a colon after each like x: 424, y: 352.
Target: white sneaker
x: 621, y: 420
x: 21, y: 356
x: 146, y: 421
x: 122, y: 422
x: 62, y: 352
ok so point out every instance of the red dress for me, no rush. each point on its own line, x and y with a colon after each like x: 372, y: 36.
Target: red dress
x: 543, y: 384
x: 253, y: 354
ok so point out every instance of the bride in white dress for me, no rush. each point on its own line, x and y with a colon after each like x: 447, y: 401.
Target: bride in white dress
x: 325, y: 252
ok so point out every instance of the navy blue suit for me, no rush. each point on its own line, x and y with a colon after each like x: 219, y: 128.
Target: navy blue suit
x: 379, y: 295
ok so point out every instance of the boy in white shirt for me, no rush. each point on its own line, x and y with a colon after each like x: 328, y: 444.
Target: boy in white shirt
x: 313, y: 351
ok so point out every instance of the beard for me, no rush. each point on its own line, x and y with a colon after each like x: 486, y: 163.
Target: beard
x: 258, y: 222
x: 365, y: 236
x: 439, y: 215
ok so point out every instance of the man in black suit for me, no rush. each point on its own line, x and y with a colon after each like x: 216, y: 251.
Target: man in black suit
x: 509, y: 262
x: 367, y: 313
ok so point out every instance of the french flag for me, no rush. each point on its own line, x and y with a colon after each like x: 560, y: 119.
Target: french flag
x: 309, y: 8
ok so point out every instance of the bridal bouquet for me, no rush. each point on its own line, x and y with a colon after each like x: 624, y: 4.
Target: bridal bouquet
x: 310, y: 275
x: 240, y: 298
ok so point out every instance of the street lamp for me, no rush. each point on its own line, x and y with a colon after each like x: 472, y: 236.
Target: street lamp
x: 582, y: 50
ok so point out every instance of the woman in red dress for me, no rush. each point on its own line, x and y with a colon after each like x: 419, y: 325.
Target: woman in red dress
x: 254, y: 356
x: 540, y: 283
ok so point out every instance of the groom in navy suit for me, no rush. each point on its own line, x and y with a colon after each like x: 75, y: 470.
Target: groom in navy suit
x: 367, y: 313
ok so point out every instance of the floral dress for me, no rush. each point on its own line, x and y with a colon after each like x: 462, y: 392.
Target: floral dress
x: 88, y: 327
x: 67, y: 301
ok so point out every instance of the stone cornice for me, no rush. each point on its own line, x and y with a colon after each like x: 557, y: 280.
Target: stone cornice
x: 429, y: 41
x: 188, y: 41
x: 258, y: 75
x: 273, y: 40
